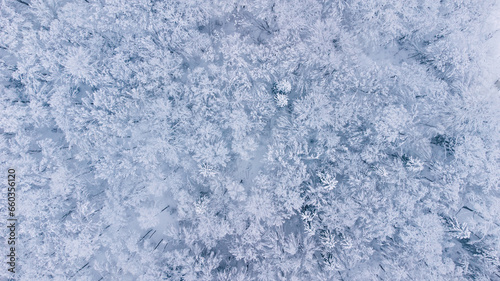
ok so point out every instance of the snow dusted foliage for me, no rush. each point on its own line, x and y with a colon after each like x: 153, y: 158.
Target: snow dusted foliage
x: 253, y: 140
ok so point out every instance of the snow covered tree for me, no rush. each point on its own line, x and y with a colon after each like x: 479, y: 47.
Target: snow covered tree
x: 253, y: 140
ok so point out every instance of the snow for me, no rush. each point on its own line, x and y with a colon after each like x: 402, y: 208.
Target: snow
x: 223, y: 140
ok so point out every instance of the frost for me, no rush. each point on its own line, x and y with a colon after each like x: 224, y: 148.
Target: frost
x: 281, y: 100
x: 328, y: 181
x: 459, y: 230
x: 415, y: 164
x: 236, y: 191
x: 284, y: 86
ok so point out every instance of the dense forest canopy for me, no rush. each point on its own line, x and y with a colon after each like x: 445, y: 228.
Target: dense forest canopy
x: 253, y: 140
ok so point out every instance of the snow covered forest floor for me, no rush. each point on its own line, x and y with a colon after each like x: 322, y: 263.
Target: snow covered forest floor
x: 252, y: 140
